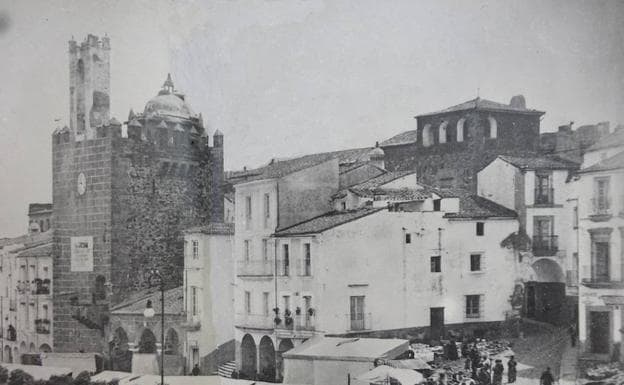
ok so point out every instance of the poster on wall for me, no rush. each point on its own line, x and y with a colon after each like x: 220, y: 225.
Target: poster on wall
x: 82, y: 254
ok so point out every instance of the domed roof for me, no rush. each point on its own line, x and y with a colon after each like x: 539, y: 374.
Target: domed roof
x: 168, y: 103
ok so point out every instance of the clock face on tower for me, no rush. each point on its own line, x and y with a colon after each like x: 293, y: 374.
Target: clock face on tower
x: 82, y: 183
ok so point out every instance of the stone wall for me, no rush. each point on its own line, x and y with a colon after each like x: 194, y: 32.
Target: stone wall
x: 455, y: 164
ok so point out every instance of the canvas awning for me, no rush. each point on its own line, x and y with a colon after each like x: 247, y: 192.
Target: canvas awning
x: 412, y: 363
x: 381, y: 374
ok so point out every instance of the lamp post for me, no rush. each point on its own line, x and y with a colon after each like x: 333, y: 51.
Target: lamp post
x: 149, y: 313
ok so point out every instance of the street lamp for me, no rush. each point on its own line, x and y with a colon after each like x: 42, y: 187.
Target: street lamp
x: 149, y: 313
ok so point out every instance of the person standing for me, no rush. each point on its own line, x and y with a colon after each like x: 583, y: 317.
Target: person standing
x: 498, y: 372
x: 511, y: 370
x: 572, y: 331
x: 195, y: 370
x: 547, y: 377
x: 484, y: 376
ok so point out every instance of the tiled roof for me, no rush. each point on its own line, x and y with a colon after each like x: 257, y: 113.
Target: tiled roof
x: 326, y: 221
x: 38, y: 207
x: 406, y: 137
x: 484, y: 104
x: 474, y: 206
x: 217, y: 228
x: 614, y: 139
x: 539, y: 162
x: 43, y: 250
x: 613, y: 163
x: 279, y: 168
x: 399, y: 194
x: 367, y: 187
x: 174, y: 302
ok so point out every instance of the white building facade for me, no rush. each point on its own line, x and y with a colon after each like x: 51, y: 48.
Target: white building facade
x: 600, y: 188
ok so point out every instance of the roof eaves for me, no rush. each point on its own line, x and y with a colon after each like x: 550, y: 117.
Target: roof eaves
x: 320, y: 230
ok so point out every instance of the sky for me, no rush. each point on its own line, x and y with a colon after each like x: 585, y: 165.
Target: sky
x: 285, y: 78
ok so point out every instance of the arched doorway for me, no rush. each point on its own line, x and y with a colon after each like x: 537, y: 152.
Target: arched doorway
x: 121, y: 356
x: 16, y: 356
x: 172, y: 344
x: 32, y: 348
x: 547, y: 270
x: 45, y: 348
x: 248, y: 357
x: 284, y: 346
x: 267, y: 359
x: 7, y: 356
x: 147, y: 343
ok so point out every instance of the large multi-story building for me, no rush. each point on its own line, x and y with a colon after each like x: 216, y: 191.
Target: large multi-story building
x: 25, y: 296
x: 539, y: 188
x: 599, y: 191
x: 121, y: 201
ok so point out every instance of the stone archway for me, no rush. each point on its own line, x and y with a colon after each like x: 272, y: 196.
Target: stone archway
x: 172, y: 342
x: 147, y: 342
x: 121, y: 356
x: 7, y: 356
x: 284, y: 346
x: 547, y: 270
x: 266, y: 351
x: 45, y: 348
x: 248, y: 357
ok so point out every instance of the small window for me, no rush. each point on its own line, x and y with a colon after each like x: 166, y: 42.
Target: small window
x: 480, y: 229
x: 265, y: 249
x: 285, y: 261
x: 195, y: 249
x: 473, y: 306
x: 248, y: 302
x: 307, y: 270
x: 193, y: 300
x: 247, y: 250
x: 267, y: 206
x: 436, y: 264
x: 265, y: 303
x: 408, y: 238
x: 575, y: 217
x: 344, y: 205
x: 436, y: 204
x: 475, y: 262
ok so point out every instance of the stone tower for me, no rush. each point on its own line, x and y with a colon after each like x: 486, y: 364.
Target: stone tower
x: 89, y: 85
x: 121, y: 203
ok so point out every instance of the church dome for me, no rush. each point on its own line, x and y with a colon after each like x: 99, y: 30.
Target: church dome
x: 168, y: 103
x: 376, y: 153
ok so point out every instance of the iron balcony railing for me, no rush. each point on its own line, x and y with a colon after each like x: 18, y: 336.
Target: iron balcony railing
x: 601, y: 206
x: 297, y: 322
x: 544, y: 196
x: 358, y: 321
x: 545, y: 245
x: 255, y: 267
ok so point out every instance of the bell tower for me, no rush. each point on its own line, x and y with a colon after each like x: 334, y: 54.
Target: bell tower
x: 89, y: 86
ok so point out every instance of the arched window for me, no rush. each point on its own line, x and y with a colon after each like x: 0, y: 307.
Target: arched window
x: 493, y: 127
x: 427, y: 135
x: 460, y: 129
x: 442, y: 132
x: 81, y: 71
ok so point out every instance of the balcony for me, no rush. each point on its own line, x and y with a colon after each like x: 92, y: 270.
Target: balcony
x: 254, y: 321
x: 256, y: 268
x: 300, y: 325
x: 544, y: 197
x: 545, y: 245
x: 358, y: 322
x: 193, y: 323
x: 41, y: 287
x: 601, y: 209
x: 42, y: 326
